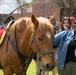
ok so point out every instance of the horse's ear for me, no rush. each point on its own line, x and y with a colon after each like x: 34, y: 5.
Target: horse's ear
x: 34, y: 20
x: 52, y: 17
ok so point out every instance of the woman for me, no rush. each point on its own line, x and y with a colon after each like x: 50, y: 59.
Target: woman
x: 66, y: 51
x: 64, y: 25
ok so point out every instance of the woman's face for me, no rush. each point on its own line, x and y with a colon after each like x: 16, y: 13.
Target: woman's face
x: 66, y: 24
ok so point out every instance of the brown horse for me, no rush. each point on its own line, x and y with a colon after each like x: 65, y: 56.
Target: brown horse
x: 24, y: 36
x: 40, y: 70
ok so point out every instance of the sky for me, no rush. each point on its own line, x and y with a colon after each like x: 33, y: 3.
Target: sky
x: 28, y: 0
x: 7, y: 6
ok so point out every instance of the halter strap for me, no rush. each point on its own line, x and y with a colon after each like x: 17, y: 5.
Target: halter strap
x: 41, y: 53
x: 16, y: 46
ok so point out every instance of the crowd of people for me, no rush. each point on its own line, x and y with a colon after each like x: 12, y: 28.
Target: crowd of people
x: 65, y: 41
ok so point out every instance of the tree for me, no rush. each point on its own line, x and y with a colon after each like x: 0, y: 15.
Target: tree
x: 33, y: 2
x: 68, y: 6
x: 1, y: 1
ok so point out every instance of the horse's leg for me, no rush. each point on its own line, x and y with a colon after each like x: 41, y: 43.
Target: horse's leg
x: 25, y: 66
x: 21, y: 73
x: 38, y: 67
x: 7, y: 71
x: 54, y: 71
x: 42, y: 72
x: 46, y: 73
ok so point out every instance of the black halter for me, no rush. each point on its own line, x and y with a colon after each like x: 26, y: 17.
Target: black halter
x: 41, y: 53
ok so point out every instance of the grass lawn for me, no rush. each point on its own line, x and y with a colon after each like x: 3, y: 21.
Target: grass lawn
x: 31, y: 70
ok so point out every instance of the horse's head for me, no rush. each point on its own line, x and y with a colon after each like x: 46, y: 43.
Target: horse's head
x: 35, y: 34
x: 42, y: 41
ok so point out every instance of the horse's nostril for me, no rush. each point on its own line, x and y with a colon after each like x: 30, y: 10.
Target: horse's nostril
x: 48, y: 66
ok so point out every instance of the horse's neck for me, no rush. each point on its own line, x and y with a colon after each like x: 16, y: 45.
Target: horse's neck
x: 23, y: 36
x: 25, y: 43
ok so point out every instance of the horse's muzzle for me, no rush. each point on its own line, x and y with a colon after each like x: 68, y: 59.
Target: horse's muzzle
x: 48, y: 67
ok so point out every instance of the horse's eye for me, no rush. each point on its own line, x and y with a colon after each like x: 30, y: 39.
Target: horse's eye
x: 40, y: 38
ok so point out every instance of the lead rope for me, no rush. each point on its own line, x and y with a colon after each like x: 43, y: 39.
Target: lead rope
x: 21, y: 59
x: 24, y: 61
x: 13, y: 45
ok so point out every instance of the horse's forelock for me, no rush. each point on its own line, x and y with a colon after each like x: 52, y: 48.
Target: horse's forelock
x: 46, y: 27
x: 45, y: 22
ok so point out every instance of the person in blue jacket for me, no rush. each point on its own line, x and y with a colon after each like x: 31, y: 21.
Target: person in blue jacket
x: 66, y: 51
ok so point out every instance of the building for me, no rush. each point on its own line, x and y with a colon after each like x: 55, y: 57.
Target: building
x: 43, y: 9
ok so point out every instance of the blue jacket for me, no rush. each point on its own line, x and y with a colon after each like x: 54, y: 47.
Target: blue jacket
x: 61, y: 41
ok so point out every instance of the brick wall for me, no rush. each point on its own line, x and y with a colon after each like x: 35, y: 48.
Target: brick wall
x: 44, y: 10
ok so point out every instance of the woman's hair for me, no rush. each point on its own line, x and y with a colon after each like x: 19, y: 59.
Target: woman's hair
x: 61, y: 24
x: 74, y: 21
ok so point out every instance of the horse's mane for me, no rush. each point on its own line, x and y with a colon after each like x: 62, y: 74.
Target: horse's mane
x: 21, y: 21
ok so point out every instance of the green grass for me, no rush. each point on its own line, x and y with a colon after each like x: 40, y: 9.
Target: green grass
x: 31, y: 70
x: 1, y: 72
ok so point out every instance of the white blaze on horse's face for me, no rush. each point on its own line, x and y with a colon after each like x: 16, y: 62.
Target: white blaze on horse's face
x: 48, y: 35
